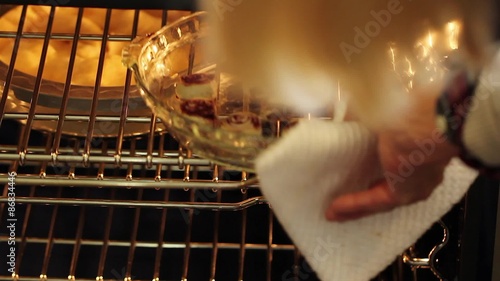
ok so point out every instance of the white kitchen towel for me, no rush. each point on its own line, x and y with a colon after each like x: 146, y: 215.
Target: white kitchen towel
x: 317, y: 160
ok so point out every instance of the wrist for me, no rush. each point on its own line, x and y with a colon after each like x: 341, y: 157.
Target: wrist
x: 453, y: 108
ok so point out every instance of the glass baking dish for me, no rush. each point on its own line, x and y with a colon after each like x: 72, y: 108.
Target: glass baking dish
x: 233, y: 125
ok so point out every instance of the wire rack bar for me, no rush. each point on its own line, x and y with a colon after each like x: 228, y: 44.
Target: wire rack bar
x: 69, y: 150
x: 50, y: 243
x: 78, y: 241
x: 67, y: 84
x: 100, y: 176
x: 97, y: 86
x: 161, y: 234
x: 79, y: 118
x: 85, y: 118
x: 23, y: 239
x: 218, y: 206
x: 145, y: 244
x: 138, y: 183
x: 105, y: 246
x: 23, y: 141
x: 215, y: 243
x: 10, y: 278
x: 242, y: 244
x: 64, y: 36
x: 103, y: 159
x: 187, y: 244
x: 133, y: 238
x: 188, y: 5
x: 269, y: 255
x: 10, y: 71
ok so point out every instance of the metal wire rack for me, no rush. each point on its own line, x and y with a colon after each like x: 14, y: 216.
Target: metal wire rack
x: 125, y: 207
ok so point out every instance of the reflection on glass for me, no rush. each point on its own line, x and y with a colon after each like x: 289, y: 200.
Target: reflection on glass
x: 428, y: 60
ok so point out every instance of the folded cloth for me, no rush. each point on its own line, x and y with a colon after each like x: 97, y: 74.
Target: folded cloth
x: 317, y: 160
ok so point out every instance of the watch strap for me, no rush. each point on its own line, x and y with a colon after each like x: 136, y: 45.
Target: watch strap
x: 452, y: 107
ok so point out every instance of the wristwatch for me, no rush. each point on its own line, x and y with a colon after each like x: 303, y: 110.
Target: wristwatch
x: 452, y: 108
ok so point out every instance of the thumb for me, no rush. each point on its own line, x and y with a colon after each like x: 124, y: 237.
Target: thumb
x: 379, y: 198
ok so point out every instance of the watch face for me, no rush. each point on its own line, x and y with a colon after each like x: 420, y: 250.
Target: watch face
x: 453, y: 105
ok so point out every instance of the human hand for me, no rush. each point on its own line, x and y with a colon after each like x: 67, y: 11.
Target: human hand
x: 413, y: 155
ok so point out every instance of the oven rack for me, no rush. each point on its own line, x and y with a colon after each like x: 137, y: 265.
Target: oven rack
x: 181, y: 196
x: 87, y: 156
x: 115, y: 251
x: 58, y: 169
x: 106, y: 166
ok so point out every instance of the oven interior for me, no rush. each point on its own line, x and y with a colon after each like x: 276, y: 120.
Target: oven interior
x: 143, y: 208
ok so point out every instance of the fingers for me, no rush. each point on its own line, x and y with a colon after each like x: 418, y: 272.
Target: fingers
x: 352, y: 206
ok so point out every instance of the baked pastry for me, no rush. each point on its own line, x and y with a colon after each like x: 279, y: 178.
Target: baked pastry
x: 197, y: 86
x: 197, y: 93
x: 199, y: 107
x: 243, y: 123
x: 88, y: 51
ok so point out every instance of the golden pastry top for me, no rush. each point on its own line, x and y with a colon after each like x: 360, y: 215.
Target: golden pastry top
x: 88, y: 51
